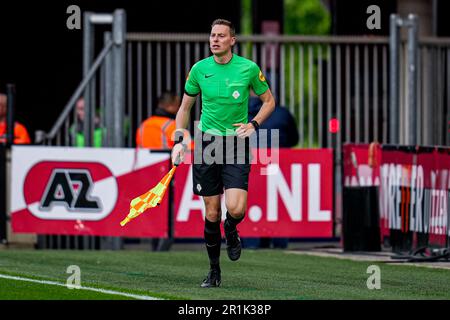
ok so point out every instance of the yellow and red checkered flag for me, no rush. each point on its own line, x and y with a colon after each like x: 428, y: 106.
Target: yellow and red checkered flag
x: 150, y: 199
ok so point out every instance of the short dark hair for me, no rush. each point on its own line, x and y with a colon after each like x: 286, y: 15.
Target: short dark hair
x: 166, y: 98
x: 225, y: 23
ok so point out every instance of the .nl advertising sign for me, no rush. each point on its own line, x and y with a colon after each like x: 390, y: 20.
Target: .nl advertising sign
x: 289, y: 198
x: 87, y: 191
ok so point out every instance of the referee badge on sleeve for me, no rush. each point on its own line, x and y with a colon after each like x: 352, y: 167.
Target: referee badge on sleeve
x: 261, y: 76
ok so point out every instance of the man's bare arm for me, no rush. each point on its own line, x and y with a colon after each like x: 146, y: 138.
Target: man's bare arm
x: 183, y: 114
x: 182, y: 120
x: 267, y: 107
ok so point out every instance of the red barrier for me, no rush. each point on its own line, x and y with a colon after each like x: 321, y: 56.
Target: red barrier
x: 76, y: 191
x: 414, y: 188
x: 362, y: 168
x: 294, y: 199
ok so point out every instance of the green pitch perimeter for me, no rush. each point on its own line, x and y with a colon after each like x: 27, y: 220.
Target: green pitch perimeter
x: 259, y: 274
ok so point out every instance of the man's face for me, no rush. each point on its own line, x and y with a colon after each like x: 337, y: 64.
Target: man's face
x: 80, y: 109
x: 220, y: 40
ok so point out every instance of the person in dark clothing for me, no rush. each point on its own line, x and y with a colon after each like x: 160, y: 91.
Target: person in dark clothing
x: 280, y: 119
x: 284, y: 121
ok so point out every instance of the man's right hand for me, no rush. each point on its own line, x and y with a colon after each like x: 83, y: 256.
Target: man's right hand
x: 177, y: 154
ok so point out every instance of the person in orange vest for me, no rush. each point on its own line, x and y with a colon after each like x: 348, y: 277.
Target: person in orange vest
x: 20, y: 132
x: 158, y: 131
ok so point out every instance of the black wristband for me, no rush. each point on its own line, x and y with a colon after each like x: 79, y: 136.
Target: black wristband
x: 255, y: 124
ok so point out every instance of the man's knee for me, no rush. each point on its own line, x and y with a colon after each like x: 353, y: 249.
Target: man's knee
x: 236, y: 202
x: 213, y: 215
x: 212, y: 209
x: 236, y: 210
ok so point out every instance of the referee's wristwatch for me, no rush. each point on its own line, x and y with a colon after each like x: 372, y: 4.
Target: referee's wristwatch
x: 255, y: 124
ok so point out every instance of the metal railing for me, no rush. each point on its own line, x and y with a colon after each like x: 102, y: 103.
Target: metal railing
x: 102, y: 89
x: 316, y: 78
x: 100, y: 121
x: 433, y: 102
x: 419, y: 95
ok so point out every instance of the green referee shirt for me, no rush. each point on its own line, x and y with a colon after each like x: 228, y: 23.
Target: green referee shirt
x: 225, y: 90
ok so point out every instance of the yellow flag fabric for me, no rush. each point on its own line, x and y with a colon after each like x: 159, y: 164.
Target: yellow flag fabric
x: 150, y: 199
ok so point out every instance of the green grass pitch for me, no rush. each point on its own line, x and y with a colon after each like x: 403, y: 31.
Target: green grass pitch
x: 259, y: 274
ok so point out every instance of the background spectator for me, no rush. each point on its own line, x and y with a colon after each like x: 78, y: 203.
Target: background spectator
x: 77, y: 129
x: 280, y: 119
x: 284, y: 121
x: 20, y: 132
x: 157, y: 132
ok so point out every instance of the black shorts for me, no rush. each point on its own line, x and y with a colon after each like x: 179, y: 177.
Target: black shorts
x: 220, y: 162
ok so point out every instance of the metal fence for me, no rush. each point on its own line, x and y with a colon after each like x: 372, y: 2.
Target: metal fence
x: 102, y: 89
x: 316, y: 78
x: 433, y: 92
x: 99, y: 120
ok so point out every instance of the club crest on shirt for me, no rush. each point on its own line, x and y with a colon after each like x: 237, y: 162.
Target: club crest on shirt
x: 236, y: 94
x: 261, y: 76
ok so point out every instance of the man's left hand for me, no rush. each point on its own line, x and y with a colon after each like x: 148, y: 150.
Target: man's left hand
x: 245, y: 129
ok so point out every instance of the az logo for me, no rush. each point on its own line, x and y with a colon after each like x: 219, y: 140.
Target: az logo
x: 70, y: 188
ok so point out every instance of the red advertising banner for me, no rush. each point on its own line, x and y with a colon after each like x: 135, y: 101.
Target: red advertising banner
x: 394, y: 164
x: 414, y: 186
x: 290, y: 198
x: 362, y: 168
x: 87, y: 191
x: 416, y: 189
x: 74, y: 191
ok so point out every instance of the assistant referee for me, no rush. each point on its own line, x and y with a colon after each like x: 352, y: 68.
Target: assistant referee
x: 224, y: 81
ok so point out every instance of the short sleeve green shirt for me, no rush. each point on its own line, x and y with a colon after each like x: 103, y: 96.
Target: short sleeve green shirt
x: 225, y: 89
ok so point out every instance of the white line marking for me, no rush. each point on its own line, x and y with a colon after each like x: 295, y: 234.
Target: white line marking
x: 53, y: 283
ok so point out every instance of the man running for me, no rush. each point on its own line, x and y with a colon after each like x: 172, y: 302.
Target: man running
x: 224, y: 81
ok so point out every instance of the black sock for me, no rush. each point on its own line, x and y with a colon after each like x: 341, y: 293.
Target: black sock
x: 231, y: 222
x: 213, y: 240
